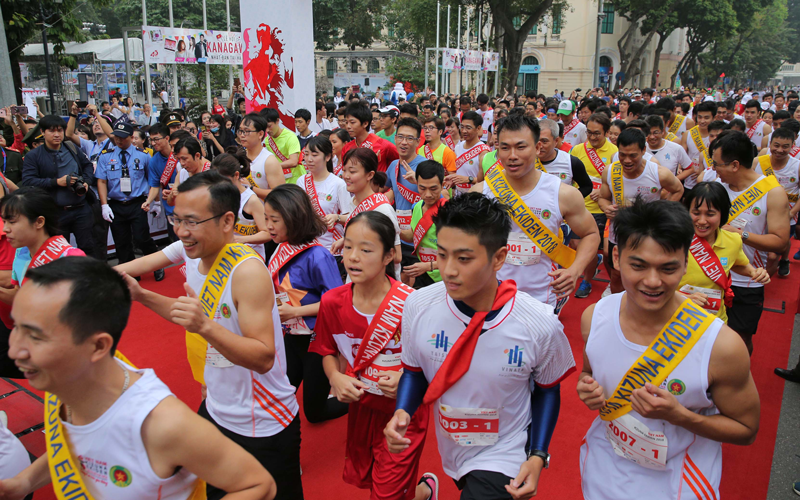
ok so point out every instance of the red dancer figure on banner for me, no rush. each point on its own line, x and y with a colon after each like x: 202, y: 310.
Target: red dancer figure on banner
x: 268, y: 75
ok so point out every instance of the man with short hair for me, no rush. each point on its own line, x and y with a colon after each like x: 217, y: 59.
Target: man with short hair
x: 585, y: 110
x: 162, y: 171
x: 434, y: 148
x: 302, y: 120
x: 265, y: 167
x: 407, y: 111
x: 469, y: 155
x: 675, y: 124
x: 669, y: 154
x: 236, y: 348
x: 357, y: 121
x: 147, y: 117
x: 623, y: 104
x: 320, y: 121
x: 574, y: 130
x: 388, y: 119
x: 695, y: 142
x: 284, y: 144
x: 486, y: 113
x: 756, y: 129
x: 779, y: 102
x: 563, y: 165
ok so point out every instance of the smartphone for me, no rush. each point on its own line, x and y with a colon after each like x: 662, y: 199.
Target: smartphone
x: 19, y: 110
x: 236, y: 82
x: 2, y: 113
x: 82, y: 104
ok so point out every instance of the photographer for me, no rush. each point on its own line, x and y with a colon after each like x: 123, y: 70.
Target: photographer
x: 65, y: 172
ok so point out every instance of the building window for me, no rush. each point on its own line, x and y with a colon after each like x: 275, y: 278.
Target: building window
x: 391, y: 31
x: 330, y: 67
x: 530, y: 61
x: 373, y: 66
x: 354, y: 66
x: 607, y: 28
x: 557, y: 23
x: 534, y: 29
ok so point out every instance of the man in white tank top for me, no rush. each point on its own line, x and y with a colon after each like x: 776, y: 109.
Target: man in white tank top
x: 469, y: 155
x: 637, y: 178
x: 695, y: 141
x: 563, y: 165
x: 755, y: 128
x: 131, y: 436
x: 532, y: 262
x: 671, y: 382
x: 760, y: 213
x: 244, y: 367
x: 265, y: 168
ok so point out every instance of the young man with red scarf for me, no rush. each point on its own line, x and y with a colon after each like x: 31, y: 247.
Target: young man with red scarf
x: 442, y: 331
x: 358, y: 118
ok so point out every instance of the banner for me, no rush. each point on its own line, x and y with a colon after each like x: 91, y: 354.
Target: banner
x: 278, y: 44
x: 473, y: 60
x: 190, y: 46
x: 491, y: 61
x: 451, y: 59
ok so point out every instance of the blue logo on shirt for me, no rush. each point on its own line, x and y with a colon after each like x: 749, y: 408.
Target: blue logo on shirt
x: 440, y: 341
x: 723, y: 261
x: 514, y: 356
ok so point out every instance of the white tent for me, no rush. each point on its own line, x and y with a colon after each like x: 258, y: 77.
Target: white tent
x: 110, y: 50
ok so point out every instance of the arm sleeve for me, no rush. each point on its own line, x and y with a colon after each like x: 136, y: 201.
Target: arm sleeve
x: 580, y: 177
x: 174, y: 252
x: 153, y: 175
x: 684, y: 161
x: 293, y: 144
x: 411, y: 390
x: 545, y: 406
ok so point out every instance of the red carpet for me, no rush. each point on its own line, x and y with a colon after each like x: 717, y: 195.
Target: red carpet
x: 153, y: 342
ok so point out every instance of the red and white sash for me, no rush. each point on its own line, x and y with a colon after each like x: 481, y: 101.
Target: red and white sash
x: 450, y: 144
x: 52, y: 249
x: 409, y: 195
x: 284, y: 254
x: 597, y: 163
x: 574, y: 123
x: 206, y: 166
x: 428, y: 152
x: 169, y: 168
x: 311, y: 189
x: 423, y: 226
x: 338, y: 167
x: 383, y: 327
x: 752, y: 130
x: 371, y: 203
x: 709, y: 262
x: 277, y: 152
x: 794, y: 151
x: 472, y: 153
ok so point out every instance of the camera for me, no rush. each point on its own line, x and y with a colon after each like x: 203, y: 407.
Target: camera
x: 76, y: 184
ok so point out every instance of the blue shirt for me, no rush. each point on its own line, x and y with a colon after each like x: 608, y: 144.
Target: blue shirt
x: 156, y: 167
x: 401, y: 203
x: 109, y: 168
x: 314, y: 272
x: 92, y: 148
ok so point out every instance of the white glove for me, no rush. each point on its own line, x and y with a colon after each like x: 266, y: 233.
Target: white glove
x: 107, y: 213
x: 155, y: 208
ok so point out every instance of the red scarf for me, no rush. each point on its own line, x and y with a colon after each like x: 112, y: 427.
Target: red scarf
x: 752, y: 130
x: 53, y: 248
x: 284, y: 254
x: 459, y: 358
x: 704, y: 255
x: 206, y: 166
x: 425, y: 223
x: 370, y: 203
x: 311, y: 189
x: 597, y: 163
x: 169, y: 168
x: 383, y: 326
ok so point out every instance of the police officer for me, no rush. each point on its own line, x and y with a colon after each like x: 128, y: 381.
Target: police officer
x: 122, y: 185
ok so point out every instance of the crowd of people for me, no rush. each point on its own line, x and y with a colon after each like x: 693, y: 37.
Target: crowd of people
x: 407, y: 263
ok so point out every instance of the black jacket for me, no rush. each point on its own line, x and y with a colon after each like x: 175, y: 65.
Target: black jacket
x: 39, y: 169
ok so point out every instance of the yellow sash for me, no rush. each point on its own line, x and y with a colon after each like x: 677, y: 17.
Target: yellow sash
x: 64, y: 471
x: 676, y: 124
x: 752, y: 195
x: 698, y: 142
x: 548, y: 242
x: 540, y: 165
x: 766, y: 165
x: 251, y: 181
x: 617, y: 184
x: 671, y: 137
x: 215, y: 283
x: 662, y: 356
x: 245, y: 230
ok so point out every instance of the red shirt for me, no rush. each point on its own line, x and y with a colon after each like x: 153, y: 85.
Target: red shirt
x: 340, y: 329
x: 218, y: 110
x: 386, y: 151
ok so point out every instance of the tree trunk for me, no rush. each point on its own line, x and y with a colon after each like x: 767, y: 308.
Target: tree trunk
x: 514, y: 59
x: 662, y: 37
x: 624, y: 45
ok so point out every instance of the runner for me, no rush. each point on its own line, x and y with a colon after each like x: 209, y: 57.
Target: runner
x: 756, y: 129
x: 453, y: 126
x: 574, y: 130
x: 434, y: 148
x: 676, y: 124
x: 388, y: 119
x: 714, y: 252
x: 524, y: 344
x: 695, y: 142
x: 596, y: 155
x: 338, y: 139
x: 361, y: 322
x: 537, y: 260
x: 189, y: 154
x: 265, y: 167
x: 328, y: 193
x: 566, y: 167
x: 357, y: 120
x: 630, y: 178
x: 237, y: 346
x: 786, y: 169
x: 760, y: 214
x: 422, y: 232
x: 658, y: 433
x: 251, y: 224
x: 284, y: 144
x: 669, y: 154
x: 161, y: 172
x: 715, y: 129
x: 469, y: 155
x: 133, y: 437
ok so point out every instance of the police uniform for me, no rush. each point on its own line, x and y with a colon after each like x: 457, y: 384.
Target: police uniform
x: 125, y: 172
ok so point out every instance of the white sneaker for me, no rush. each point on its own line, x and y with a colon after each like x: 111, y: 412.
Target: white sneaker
x: 606, y: 292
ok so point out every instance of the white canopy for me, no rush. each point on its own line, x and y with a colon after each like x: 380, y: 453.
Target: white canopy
x: 110, y: 50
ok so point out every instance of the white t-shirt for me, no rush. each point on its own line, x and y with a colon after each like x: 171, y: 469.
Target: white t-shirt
x: 319, y: 127
x: 13, y: 455
x: 671, y: 156
x: 333, y: 199
x: 488, y: 120
x: 524, y: 343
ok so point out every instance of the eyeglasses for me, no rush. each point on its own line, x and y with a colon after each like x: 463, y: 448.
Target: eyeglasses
x: 405, y: 138
x: 188, y: 223
x: 430, y: 129
x: 243, y: 132
x: 594, y: 134
x: 156, y: 139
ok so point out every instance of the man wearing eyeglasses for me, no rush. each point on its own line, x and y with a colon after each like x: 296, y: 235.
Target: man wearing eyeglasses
x: 242, y: 360
x: 434, y: 148
x: 265, y: 167
x: 162, y: 170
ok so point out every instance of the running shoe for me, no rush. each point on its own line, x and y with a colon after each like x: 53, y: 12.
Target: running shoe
x: 430, y: 480
x: 797, y: 255
x: 606, y: 292
x: 783, y: 268
x: 584, y: 290
x: 796, y: 487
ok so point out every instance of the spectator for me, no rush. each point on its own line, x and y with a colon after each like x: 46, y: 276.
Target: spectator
x: 217, y: 137
x: 147, y: 117
x: 320, y: 121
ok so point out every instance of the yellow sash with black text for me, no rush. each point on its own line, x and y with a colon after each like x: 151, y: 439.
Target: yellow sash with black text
x: 752, y: 195
x: 522, y: 215
x: 766, y: 165
x: 216, y: 281
x: 64, y: 470
x: 676, y: 124
x: 672, y: 344
x: 698, y: 142
x: 617, y: 184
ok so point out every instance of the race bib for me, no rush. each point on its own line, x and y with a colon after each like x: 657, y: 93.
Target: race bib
x: 597, y: 182
x: 215, y: 359
x: 404, y: 219
x: 738, y: 223
x: 521, y: 250
x: 714, y: 296
x: 294, y: 326
x: 634, y: 441
x: 470, y: 426
x: 382, y: 363
x: 427, y: 254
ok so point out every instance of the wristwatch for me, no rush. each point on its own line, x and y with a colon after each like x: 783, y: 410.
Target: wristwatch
x: 745, y: 235
x: 471, y: 180
x: 541, y: 454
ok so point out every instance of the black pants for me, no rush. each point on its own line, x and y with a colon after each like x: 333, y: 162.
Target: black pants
x: 279, y: 454
x: 130, y: 219
x: 305, y: 367
x: 80, y: 222
x: 100, y: 233
x: 484, y: 485
x: 745, y: 312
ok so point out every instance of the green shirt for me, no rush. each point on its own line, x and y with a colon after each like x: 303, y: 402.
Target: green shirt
x: 429, y: 240
x: 288, y: 144
x: 389, y: 138
x: 489, y: 159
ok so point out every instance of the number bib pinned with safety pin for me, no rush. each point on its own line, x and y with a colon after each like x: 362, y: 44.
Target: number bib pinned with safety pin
x: 634, y: 441
x: 470, y: 426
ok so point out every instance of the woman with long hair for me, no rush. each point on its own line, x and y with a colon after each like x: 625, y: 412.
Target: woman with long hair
x: 251, y: 223
x: 216, y: 137
x: 361, y: 321
x: 338, y: 139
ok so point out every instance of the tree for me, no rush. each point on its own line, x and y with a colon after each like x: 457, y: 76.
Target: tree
x: 401, y: 69
x: 348, y: 22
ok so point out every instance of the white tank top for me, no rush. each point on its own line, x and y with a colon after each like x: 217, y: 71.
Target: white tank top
x: 758, y: 135
x: 561, y: 167
x: 697, y: 158
x: 183, y: 174
x: 647, y: 185
x: 607, y: 476
x: 470, y: 167
x: 114, y: 462
x: 257, y: 170
x: 789, y: 179
x: 753, y: 220
x: 241, y: 400
x: 525, y: 263
x: 246, y: 225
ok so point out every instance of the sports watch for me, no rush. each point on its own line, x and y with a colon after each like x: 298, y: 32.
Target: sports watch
x: 471, y: 180
x: 541, y: 454
x: 745, y: 235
